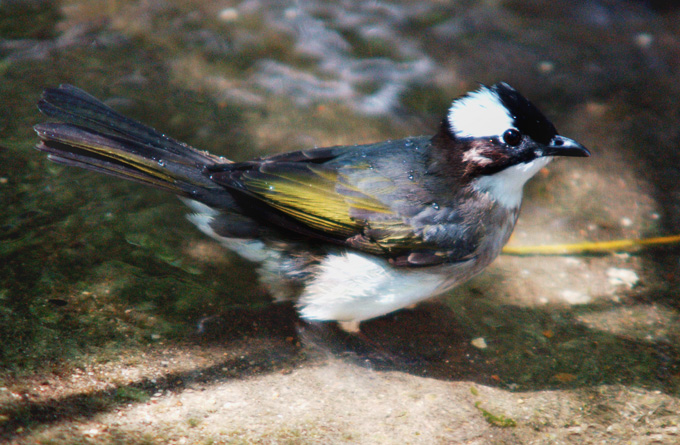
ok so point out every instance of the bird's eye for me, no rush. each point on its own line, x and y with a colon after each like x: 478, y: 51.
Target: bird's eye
x: 512, y: 137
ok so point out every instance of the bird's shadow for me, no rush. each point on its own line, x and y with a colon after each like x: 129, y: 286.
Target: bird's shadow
x: 516, y: 348
x: 523, y: 349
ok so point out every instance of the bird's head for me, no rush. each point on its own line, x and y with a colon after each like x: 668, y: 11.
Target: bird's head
x: 496, y: 140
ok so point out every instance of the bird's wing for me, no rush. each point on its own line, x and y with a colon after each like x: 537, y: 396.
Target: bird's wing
x: 342, y: 202
x: 312, y: 195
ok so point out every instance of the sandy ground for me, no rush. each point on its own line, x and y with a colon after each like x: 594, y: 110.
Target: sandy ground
x: 273, y: 390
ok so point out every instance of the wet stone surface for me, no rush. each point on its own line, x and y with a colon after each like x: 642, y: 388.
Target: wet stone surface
x: 120, y: 323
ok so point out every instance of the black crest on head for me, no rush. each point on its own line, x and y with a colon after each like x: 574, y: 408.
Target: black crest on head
x: 527, y: 117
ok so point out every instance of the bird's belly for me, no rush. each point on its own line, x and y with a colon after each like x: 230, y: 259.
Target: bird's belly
x: 352, y: 286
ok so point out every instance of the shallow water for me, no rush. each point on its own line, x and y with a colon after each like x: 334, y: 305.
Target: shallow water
x: 120, y: 322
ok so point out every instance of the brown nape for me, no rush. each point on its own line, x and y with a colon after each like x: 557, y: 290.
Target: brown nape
x: 446, y: 156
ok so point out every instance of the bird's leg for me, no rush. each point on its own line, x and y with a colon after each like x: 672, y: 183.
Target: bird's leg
x: 346, y: 339
x: 351, y: 327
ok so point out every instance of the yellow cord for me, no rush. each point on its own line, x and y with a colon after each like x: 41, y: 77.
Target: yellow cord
x: 623, y: 245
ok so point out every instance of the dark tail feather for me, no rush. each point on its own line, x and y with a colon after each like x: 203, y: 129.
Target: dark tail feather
x: 95, y: 137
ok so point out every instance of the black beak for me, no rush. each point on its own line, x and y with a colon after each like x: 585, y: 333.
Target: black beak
x: 561, y: 146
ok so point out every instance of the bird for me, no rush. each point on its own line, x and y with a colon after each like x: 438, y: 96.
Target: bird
x: 348, y: 233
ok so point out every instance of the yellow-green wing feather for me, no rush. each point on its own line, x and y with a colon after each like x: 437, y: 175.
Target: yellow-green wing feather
x: 321, y: 198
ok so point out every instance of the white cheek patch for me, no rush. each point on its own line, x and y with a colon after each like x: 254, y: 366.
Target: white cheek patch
x: 479, y: 114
